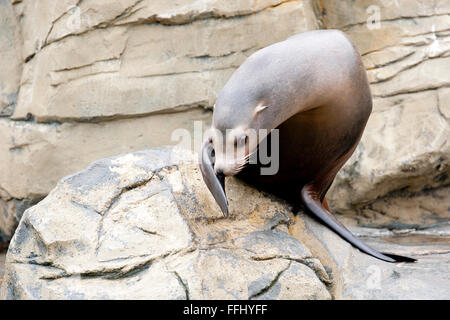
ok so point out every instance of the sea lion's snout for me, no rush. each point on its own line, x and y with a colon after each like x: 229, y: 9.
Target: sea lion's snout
x: 215, y: 182
x: 221, y: 177
x: 226, y: 168
x: 224, y: 153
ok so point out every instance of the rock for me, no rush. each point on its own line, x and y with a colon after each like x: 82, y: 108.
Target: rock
x: 10, y: 65
x: 102, y: 79
x: 404, y: 147
x: 405, y: 210
x: 404, y: 151
x: 141, y: 66
x: 34, y: 156
x: 83, y: 80
x: 365, y: 278
x: 11, y: 211
x: 144, y: 224
x: 2, y: 266
x: 343, y: 14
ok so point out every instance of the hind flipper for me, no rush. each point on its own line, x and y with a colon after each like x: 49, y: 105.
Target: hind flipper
x: 311, y: 199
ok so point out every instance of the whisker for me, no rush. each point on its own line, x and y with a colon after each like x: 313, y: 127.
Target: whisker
x: 241, y: 163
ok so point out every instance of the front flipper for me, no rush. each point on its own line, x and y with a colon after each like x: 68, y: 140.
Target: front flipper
x: 215, y: 183
x: 311, y: 201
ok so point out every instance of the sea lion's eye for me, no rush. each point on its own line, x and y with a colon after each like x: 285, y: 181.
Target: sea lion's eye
x: 241, y: 141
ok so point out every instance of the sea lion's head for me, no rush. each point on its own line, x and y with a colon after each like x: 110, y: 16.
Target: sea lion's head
x: 235, y: 139
x: 231, y: 141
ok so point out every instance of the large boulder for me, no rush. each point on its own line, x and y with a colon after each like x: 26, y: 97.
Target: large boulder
x: 144, y: 226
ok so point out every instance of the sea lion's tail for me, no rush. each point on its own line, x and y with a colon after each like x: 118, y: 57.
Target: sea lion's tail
x: 312, y: 202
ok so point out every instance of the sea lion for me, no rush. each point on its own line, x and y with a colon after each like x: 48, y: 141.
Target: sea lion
x: 313, y: 88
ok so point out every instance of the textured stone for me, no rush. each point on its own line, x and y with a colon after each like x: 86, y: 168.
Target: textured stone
x: 100, y: 78
x: 355, y: 276
x: 96, y: 76
x: 2, y: 265
x: 443, y: 105
x: 11, y: 211
x: 10, y: 63
x: 34, y: 156
x: 36, y: 22
x: 404, y: 151
x: 342, y: 14
x: 405, y: 145
x: 401, y: 209
x: 140, y: 68
x: 144, y: 226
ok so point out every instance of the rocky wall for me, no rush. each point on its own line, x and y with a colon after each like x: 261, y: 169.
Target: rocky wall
x: 399, y: 174
x: 83, y: 80
x: 94, y: 79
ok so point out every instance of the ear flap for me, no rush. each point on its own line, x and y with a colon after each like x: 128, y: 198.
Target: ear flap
x: 260, y: 107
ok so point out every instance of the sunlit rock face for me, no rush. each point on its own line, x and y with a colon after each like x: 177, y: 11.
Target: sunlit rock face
x: 143, y: 225
x: 400, y: 173
x: 80, y: 81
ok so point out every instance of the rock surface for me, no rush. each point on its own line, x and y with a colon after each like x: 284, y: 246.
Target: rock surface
x: 361, y: 277
x: 2, y: 265
x: 83, y: 80
x: 404, y: 152
x: 144, y: 226
x: 10, y: 64
x: 92, y: 79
